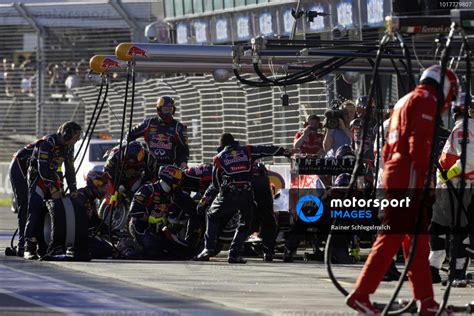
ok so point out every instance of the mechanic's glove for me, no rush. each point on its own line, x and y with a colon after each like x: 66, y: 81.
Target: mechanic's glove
x: 114, y: 199
x: 355, y: 253
x: 452, y: 172
x: 157, y: 220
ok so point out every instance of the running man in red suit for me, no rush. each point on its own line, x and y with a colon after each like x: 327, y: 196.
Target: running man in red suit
x: 406, y: 157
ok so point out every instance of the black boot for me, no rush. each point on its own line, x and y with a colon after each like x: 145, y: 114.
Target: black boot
x: 341, y: 256
x: 20, y: 251
x: 30, y: 251
x: 268, y: 257
x: 288, y: 256
x: 459, y: 278
x: 237, y: 259
x: 54, y: 254
x: 459, y: 274
x: 392, y: 273
x: 203, y: 256
x: 78, y: 254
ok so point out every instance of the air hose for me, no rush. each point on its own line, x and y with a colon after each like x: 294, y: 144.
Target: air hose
x: 426, y: 186
x: 92, y: 117
x: 121, y: 157
x: 327, y: 253
x: 462, y: 184
x: 90, y: 130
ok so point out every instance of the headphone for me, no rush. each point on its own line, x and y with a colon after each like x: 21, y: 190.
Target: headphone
x: 68, y: 129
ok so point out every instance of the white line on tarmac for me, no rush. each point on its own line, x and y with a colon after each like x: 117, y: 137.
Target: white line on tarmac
x: 341, y: 282
x: 69, y: 298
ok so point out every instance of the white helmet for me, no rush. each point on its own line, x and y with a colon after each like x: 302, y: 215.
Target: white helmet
x: 451, y: 83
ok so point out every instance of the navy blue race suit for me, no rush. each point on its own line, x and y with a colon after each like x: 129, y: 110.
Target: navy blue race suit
x: 45, y: 179
x: 232, y: 175
x: 94, y: 244
x: 134, y: 172
x: 264, y: 217
x: 148, y: 220
x: 18, y: 179
x: 196, y: 179
x: 168, y: 142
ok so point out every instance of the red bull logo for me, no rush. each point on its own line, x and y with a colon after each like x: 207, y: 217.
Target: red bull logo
x: 173, y: 172
x: 178, y: 174
x: 108, y: 62
x: 162, y: 138
x: 135, y: 51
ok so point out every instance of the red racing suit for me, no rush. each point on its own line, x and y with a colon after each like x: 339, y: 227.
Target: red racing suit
x: 406, y: 156
x: 442, y: 209
x: 451, y: 157
x: 452, y: 151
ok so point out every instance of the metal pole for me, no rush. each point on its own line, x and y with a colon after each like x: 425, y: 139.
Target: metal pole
x: 39, y: 83
x: 295, y: 22
x: 124, y: 14
x: 40, y: 33
x: 361, y: 83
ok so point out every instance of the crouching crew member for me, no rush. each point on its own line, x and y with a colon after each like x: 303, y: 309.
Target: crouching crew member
x: 148, y: 217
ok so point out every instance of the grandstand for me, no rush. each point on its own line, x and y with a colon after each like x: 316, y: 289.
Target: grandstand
x: 71, y: 32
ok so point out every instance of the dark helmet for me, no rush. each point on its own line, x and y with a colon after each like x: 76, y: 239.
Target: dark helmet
x: 166, y: 105
x: 226, y: 139
x: 134, y: 154
x: 342, y: 180
x: 345, y: 151
x: 69, y: 129
x: 171, y: 175
x: 97, y: 181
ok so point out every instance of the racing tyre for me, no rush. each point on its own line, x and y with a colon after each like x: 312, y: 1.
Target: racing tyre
x: 119, y: 216
x: 65, y: 225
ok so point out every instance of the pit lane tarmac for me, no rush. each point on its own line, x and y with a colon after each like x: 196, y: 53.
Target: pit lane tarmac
x: 119, y: 287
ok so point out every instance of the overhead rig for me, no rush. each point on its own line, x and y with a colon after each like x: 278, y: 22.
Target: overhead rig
x: 281, y: 62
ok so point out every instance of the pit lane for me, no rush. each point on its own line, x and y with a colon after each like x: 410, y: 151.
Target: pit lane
x: 120, y: 287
